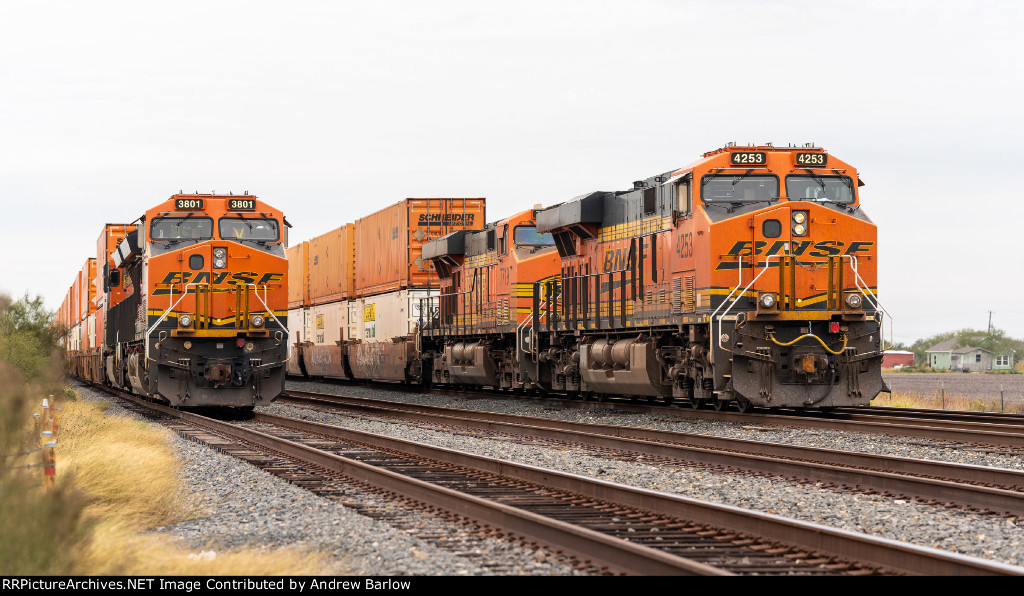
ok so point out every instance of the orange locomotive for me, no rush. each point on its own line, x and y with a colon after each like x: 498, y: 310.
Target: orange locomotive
x: 476, y: 332
x: 747, y: 277
x: 193, y: 307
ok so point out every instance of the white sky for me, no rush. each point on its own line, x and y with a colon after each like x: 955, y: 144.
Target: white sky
x: 331, y: 110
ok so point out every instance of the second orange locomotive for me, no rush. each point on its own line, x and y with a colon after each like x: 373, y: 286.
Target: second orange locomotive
x: 747, y: 278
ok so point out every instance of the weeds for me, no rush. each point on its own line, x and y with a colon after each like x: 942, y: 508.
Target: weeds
x: 114, y: 478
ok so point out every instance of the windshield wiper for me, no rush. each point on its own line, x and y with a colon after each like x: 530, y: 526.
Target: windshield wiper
x: 742, y: 176
x: 737, y: 204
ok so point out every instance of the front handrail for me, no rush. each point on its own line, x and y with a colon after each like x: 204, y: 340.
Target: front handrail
x: 859, y: 283
x: 255, y: 291
x: 752, y: 282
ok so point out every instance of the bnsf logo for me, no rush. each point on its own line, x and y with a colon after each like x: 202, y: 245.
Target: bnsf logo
x: 446, y: 219
x: 825, y: 248
x: 222, y: 278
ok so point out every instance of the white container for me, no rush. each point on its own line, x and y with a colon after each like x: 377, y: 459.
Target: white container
x: 328, y: 323
x: 392, y: 315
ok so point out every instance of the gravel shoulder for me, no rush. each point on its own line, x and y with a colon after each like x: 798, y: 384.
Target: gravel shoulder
x: 247, y: 507
x: 985, y: 536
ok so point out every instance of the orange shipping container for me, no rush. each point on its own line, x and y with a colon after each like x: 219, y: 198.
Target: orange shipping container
x: 106, y: 244
x: 75, y: 294
x: 389, y: 242
x: 86, y: 300
x: 331, y: 265
x: 298, y: 275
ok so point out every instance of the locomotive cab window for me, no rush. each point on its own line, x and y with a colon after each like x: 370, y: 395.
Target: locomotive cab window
x: 738, y: 188
x: 683, y: 198
x: 529, y: 236
x: 834, y: 189
x: 181, y: 228
x: 248, y: 228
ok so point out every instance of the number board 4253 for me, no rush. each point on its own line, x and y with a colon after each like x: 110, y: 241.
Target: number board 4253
x: 241, y: 204
x: 754, y: 158
x: 811, y: 159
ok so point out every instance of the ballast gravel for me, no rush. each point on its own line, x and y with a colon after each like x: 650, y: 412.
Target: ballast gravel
x: 251, y: 507
x: 245, y: 506
x: 985, y: 536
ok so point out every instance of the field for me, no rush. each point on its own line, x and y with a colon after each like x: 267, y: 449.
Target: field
x: 972, y: 387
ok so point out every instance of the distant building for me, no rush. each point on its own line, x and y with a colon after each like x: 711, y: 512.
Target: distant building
x: 940, y: 355
x: 1004, y: 362
x: 967, y: 359
x: 894, y: 358
x: 970, y: 359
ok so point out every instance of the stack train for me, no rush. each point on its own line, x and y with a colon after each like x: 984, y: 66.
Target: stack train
x: 185, y: 305
x: 747, y: 278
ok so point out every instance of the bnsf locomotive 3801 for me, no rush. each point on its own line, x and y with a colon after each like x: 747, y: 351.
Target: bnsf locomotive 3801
x: 747, y: 278
x: 187, y: 304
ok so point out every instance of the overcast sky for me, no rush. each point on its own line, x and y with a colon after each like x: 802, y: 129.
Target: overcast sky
x: 331, y: 110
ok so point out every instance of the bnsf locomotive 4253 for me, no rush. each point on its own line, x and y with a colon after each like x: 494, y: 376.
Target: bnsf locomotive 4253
x: 187, y: 304
x: 747, y: 278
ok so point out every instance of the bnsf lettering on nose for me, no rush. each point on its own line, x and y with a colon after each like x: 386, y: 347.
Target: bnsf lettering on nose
x: 226, y: 278
x: 825, y: 248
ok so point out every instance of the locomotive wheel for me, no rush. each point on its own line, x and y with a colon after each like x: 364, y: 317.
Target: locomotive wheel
x: 743, y: 405
x: 720, y: 404
x: 698, y: 403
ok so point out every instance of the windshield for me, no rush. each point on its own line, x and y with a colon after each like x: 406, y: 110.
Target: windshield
x: 248, y: 228
x: 181, y: 228
x: 738, y: 188
x: 838, y: 189
x: 529, y: 236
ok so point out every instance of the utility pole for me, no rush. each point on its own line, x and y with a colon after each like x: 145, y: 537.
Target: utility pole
x: 990, y: 322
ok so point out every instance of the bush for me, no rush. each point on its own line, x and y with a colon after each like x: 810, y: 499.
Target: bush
x: 42, y: 533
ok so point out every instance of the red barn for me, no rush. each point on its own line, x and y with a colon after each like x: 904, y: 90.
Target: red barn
x: 894, y: 358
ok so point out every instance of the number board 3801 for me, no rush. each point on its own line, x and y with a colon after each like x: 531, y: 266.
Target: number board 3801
x: 188, y: 204
x: 241, y: 204
x: 811, y: 159
x: 755, y: 158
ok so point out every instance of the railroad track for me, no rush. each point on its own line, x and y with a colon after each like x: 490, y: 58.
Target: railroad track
x: 999, y: 431
x: 622, y: 529
x: 976, y: 487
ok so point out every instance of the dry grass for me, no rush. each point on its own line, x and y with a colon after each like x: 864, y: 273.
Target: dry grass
x: 936, y: 401
x: 129, y: 474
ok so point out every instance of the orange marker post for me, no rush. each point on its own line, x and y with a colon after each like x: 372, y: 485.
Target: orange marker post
x: 49, y: 460
x: 46, y: 414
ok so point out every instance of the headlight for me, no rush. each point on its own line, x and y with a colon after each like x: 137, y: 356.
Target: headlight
x: 220, y: 258
x: 767, y: 300
x: 799, y: 230
x: 185, y: 321
x: 799, y: 217
x: 257, y: 321
x: 854, y: 300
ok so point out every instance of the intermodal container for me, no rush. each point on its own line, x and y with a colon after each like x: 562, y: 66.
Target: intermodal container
x: 389, y: 243
x: 76, y: 305
x: 87, y: 304
x: 106, y: 244
x: 331, y: 265
x: 298, y: 275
